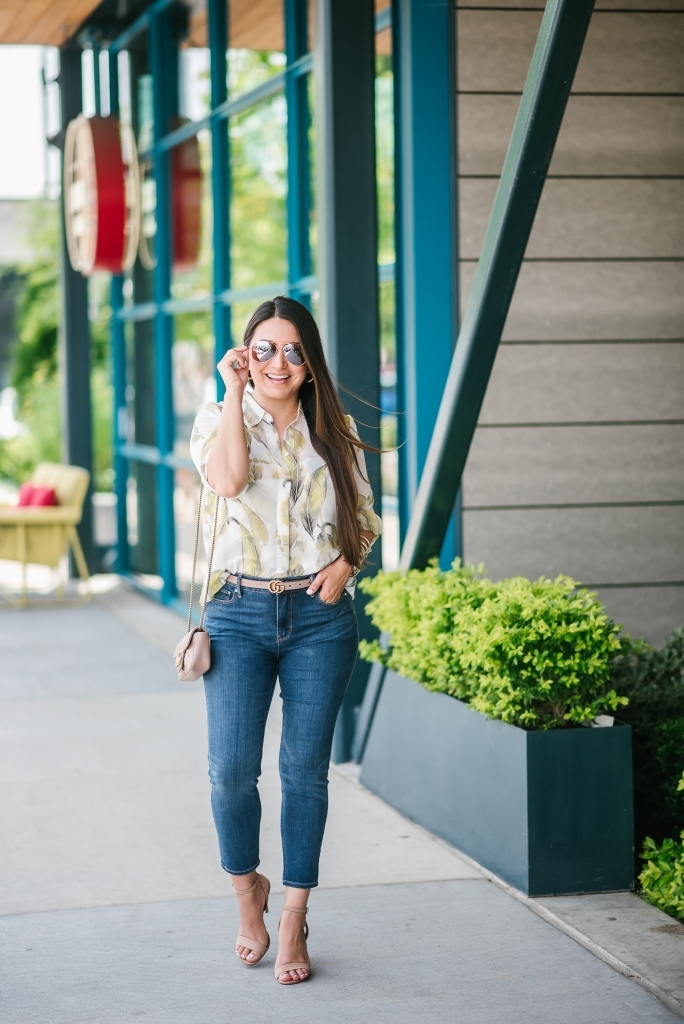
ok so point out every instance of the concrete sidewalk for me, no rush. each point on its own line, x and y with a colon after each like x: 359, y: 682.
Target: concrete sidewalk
x: 115, y: 908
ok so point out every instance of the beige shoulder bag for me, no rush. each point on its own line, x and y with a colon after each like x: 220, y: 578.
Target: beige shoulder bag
x: 193, y: 653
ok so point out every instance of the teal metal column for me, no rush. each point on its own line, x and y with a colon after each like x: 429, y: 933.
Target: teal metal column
x: 164, y: 65
x: 220, y: 172
x: 118, y: 343
x: 77, y: 442
x: 426, y: 227
x: 298, y: 184
x: 346, y: 202
x: 554, y: 62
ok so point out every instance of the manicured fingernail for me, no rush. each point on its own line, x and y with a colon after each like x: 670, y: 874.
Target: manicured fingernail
x: 309, y: 591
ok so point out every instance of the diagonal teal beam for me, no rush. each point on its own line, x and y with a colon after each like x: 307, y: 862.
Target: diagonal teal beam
x: 549, y: 80
x: 552, y: 70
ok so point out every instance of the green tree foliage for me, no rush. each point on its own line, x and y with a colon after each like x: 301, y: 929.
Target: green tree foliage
x: 258, y: 168
x: 34, y: 359
x: 534, y: 654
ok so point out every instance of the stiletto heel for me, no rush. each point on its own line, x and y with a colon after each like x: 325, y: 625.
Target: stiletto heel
x: 301, y: 965
x: 245, y: 940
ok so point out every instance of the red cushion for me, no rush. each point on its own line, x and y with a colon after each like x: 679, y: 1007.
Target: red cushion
x: 26, y: 493
x: 30, y: 494
x: 43, y: 496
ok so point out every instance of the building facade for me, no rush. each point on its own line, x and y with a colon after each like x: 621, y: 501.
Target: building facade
x: 350, y: 154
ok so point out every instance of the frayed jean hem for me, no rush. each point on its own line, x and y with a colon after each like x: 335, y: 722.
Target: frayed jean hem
x: 247, y: 872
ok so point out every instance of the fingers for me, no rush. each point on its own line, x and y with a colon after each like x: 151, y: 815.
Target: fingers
x: 330, y: 594
x: 237, y: 356
x: 233, y: 360
x: 234, y: 368
x: 317, y: 584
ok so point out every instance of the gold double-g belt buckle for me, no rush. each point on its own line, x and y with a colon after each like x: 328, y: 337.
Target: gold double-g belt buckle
x: 276, y: 586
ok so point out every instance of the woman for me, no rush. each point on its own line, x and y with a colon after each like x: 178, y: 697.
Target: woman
x: 296, y: 526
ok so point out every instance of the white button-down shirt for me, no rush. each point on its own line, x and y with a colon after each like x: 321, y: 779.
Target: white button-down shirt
x: 284, y: 522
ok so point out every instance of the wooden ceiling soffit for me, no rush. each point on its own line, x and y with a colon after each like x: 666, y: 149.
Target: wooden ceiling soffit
x: 42, y: 22
x: 258, y: 25
x: 252, y: 24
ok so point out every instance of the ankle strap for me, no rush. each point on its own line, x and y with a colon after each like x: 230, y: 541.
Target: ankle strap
x: 297, y: 910
x: 243, y: 892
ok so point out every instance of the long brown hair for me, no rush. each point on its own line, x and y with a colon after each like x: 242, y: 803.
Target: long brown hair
x: 330, y: 433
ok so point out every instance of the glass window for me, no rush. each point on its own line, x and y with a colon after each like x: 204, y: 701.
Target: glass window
x: 194, y: 380
x: 384, y: 126
x: 258, y: 158
x: 136, y: 109
x: 313, y: 217
x: 192, y: 217
x: 257, y: 45
x: 185, y: 500
x: 194, y: 101
x: 140, y: 389
x: 141, y: 516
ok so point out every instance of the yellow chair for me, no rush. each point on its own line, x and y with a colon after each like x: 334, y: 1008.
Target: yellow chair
x: 43, y: 535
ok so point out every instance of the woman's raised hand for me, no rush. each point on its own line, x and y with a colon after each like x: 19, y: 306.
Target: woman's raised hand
x: 234, y: 369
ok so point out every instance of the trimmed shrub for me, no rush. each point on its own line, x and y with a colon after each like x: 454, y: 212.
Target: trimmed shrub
x: 419, y: 609
x: 534, y: 654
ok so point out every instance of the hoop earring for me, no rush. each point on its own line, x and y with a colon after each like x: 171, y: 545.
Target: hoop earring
x: 309, y: 380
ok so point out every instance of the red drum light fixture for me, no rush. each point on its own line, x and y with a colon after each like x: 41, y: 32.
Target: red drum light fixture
x: 186, y: 170
x: 186, y: 202
x: 101, y: 195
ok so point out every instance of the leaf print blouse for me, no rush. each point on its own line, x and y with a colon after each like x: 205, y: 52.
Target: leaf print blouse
x: 284, y: 522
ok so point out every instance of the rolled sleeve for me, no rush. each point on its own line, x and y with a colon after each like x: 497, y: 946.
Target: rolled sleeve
x: 204, y: 433
x: 365, y: 512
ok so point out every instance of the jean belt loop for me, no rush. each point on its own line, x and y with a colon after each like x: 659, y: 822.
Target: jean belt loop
x: 312, y: 577
x: 238, y: 585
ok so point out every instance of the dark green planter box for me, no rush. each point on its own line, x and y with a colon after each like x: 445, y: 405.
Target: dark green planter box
x: 549, y: 812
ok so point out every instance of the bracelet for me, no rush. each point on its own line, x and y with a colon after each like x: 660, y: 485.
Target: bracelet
x: 365, y: 549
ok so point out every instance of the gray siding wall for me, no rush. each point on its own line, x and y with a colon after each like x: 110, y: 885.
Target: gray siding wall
x: 577, y: 465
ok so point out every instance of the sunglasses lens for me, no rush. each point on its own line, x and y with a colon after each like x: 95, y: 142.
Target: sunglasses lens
x: 294, y: 355
x: 263, y: 351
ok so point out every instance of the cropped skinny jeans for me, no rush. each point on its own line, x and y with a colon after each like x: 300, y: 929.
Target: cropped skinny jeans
x: 310, y: 647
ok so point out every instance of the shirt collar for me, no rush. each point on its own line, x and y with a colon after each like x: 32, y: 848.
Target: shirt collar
x: 253, y: 409
x: 256, y: 413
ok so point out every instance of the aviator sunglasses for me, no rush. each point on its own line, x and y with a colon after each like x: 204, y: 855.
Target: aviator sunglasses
x: 265, y: 350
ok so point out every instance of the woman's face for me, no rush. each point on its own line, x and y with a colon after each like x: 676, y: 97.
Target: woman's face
x: 276, y: 378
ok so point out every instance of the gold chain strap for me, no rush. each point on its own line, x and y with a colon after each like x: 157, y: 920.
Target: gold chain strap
x: 194, y: 558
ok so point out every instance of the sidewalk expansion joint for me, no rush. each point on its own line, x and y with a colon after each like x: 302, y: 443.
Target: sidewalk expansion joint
x: 352, y: 772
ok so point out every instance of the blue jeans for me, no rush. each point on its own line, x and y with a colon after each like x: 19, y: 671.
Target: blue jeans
x: 256, y: 638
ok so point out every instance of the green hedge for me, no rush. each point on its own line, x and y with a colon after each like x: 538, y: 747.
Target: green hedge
x: 535, y: 654
x: 653, y: 680
x: 662, y: 880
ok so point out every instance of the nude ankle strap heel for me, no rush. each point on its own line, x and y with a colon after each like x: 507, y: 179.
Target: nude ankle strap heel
x: 298, y: 966
x: 246, y: 940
